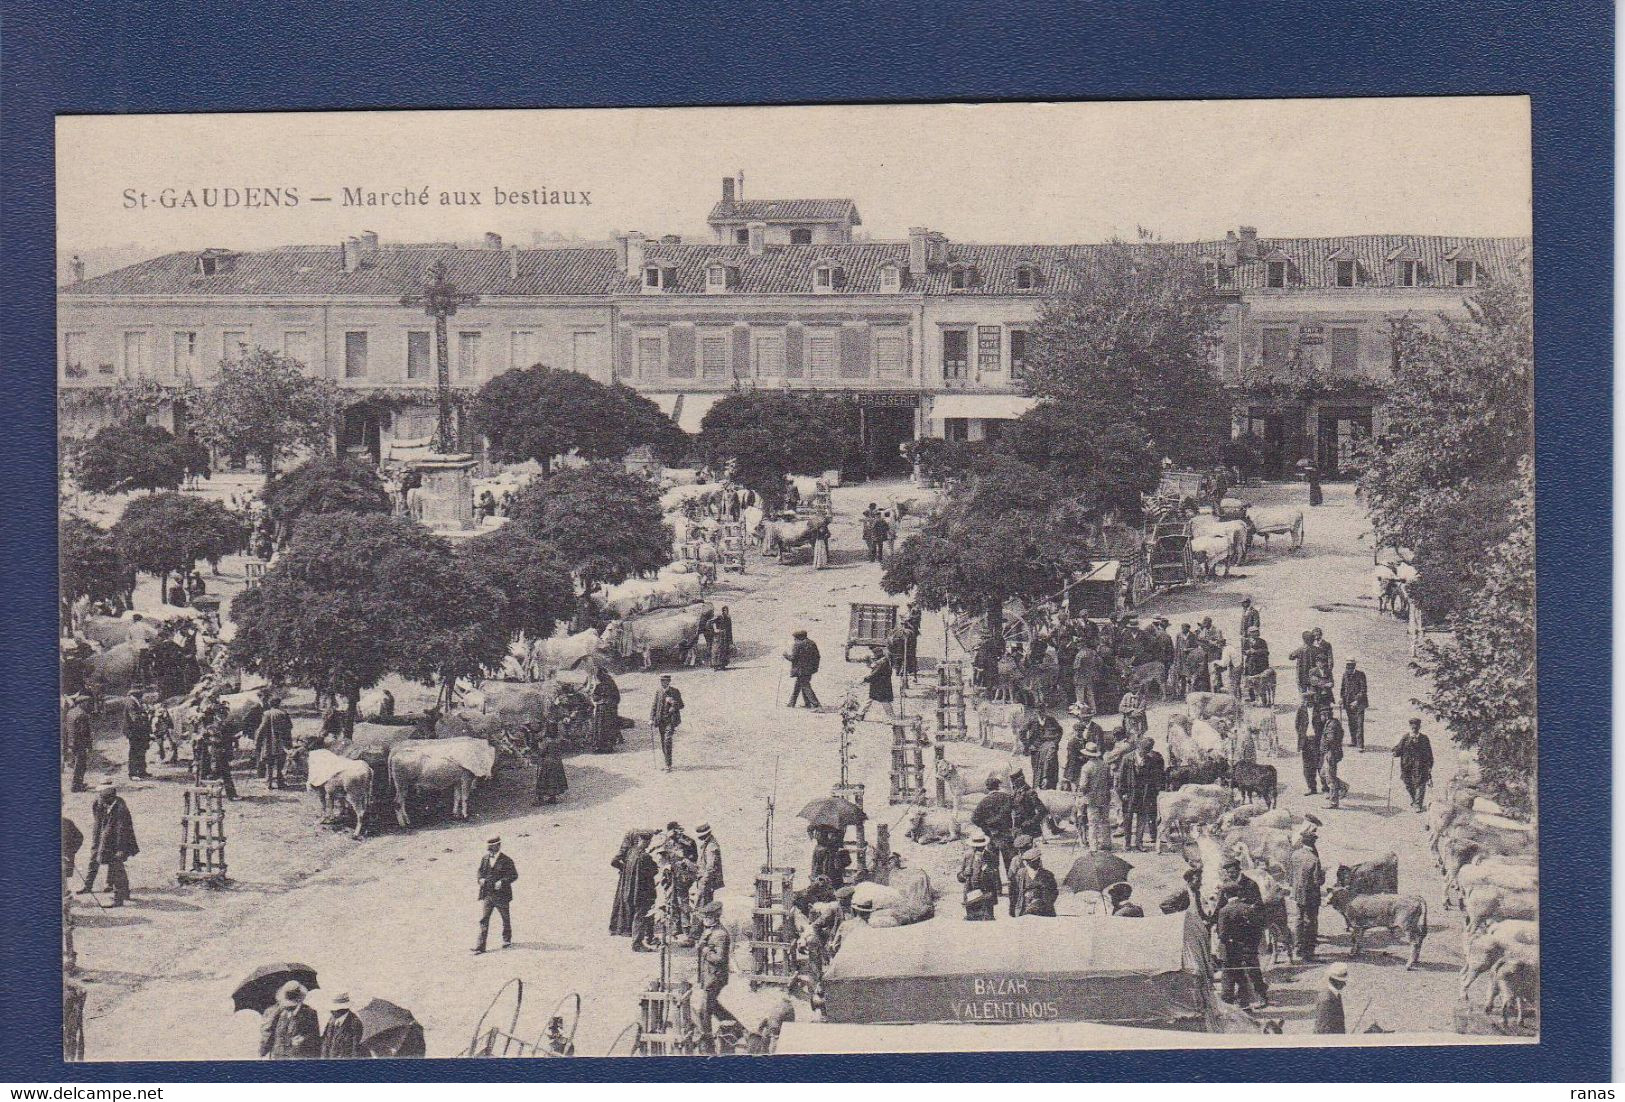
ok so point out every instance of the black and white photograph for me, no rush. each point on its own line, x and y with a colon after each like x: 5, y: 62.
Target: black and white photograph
x: 926, y: 578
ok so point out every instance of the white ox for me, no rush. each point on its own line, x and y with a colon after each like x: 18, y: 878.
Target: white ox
x: 1236, y: 531
x: 562, y: 652
x: 669, y: 589
x: 667, y: 631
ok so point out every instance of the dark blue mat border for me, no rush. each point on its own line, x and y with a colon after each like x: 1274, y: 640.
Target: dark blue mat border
x: 105, y: 56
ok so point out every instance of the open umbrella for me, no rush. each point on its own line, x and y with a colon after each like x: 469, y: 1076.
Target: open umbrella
x: 388, y: 1030
x: 1095, y: 872
x: 832, y: 811
x: 258, y: 989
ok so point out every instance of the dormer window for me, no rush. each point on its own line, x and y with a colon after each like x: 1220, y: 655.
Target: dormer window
x: 206, y: 265
x: 1345, y: 273
x: 1219, y: 274
x: 827, y: 278
x: 742, y: 236
x: 720, y: 278
x: 213, y: 262
x: 1275, y: 274
x: 960, y: 277
x: 1410, y: 273
x: 1466, y: 273
x: 657, y: 278
x: 891, y: 278
x: 651, y: 278
x: 1026, y: 277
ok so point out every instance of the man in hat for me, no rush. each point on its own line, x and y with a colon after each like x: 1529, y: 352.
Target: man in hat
x: 1322, y: 650
x: 665, y: 714
x: 1018, y: 875
x: 1085, y: 676
x: 76, y: 734
x: 289, y: 1029
x: 1085, y: 732
x: 137, y: 727
x: 1236, y: 925
x: 1308, y: 749
x: 1027, y: 812
x: 1251, y: 622
x: 1329, y: 1005
x: 709, y: 860
x: 1304, y: 659
x: 112, y: 842
x: 1133, y: 709
x: 1331, y: 753
x: 1415, y: 754
x: 496, y: 874
x: 713, y: 958
x: 804, y: 660
x: 1041, y: 739
x: 1255, y: 663
x: 272, y: 741
x: 1140, y: 776
x: 1355, y: 700
x: 878, y: 680
x: 979, y: 873
x: 1233, y: 885
x: 341, y: 1040
x: 1038, y: 887
x: 722, y: 638
x: 1308, y: 882
x: 994, y: 816
x: 1095, y: 783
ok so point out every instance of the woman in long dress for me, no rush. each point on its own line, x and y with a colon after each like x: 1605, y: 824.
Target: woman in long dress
x: 550, y: 779
x: 635, y: 891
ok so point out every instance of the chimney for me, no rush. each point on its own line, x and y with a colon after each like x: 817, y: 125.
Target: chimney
x: 630, y: 247
x: 918, y: 257
x: 369, y: 244
x: 728, y: 190
x: 938, y: 253
x: 671, y: 239
x: 1249, y: 242
x: 513, y: 263
x: 739, y: 188
x: 758, y: 238
x: 352, y: 253
x: 1232, y: 249
x: 78, y: 267
x: 493, y: 241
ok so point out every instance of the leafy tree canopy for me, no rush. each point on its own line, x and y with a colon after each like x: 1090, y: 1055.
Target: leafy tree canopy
x: 763, y: 435
x: 325, y: 485
x: 604, y: 524
x: 1109, y: 463
x: 161, y: 534
x: 529, y: 576
x: 266, y: 404
x: 539, y: 413
x: 90, y: 561
x: 130, y: 455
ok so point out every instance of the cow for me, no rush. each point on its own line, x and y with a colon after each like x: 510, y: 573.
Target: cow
x: 1191, y: 806
x: 1272, y: 913
x: 1210, y: 706
x: 111, y: 672
x: 438, y: 765
x: 335, y: 779
x: 779, y: 536
x: 1498, y: 871
x: 1262, y: 847
x: 563, y: 652
x: 1406, y: 916
x: 667, y: 590
x: 1249, y: 780
x: 1236, y: 531
x: 1465, y: 841
x: 930, y: 825
x: 1213, y: 554
x: 907, y: 899
x: 1509, y: 938
x: 1488, y: 903
x: 1181, y: 747
x: 1063, y: 809
x: 1514, y: 981
x: 1204, y: 771
x: 671, y: 631
x: 109, y: 631
x: 1286, y: 520
x: 1373, y: 877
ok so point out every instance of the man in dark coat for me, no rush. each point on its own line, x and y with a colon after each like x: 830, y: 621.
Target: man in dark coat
x: 1085, y: 732
x: 1329, y: 1005
x: 289, y: 1030
x: 1308, y: 883
x: 1331, y: 753
x: 1322, y: 649
x: 1027, y: 812
x: 993, y: 817
x: 1041, y: 740
x: 606, y: 712
x: 272, y: 742
x: 76, y: 734
x: 1304, y: 659
x: 1415, y: 754
x: 112, y: 842
x: 1355, y: 700
x: 635, y: 891
x: 137, y: 725
x: 665, y: 714
x: 804, y: 659
x: 496, y: 874
x: 722, y: 639
x: 1236, y: 926
x: 215, y: 748
x: 1139, y: 778
x: 879, y: 683
x: 341, y: 1040
x: 1250, y: 620
x: 979, y: 873
x: 1038, y: 888
x: 713, y: 958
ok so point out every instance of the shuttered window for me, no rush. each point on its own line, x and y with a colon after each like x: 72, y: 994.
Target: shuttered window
x: 651, y: 357
x: 355, y: 355
x: 714, y: 356
x: 417, y: 356
x: 768, y: 355
x: 1273, y: 350
x: 135, y: 353
x: 955, y: 353
x: 1345, y: 350
x: 823, y: 354
x: 185, y: 353
x: 891, y: 354
x: 469, y: 346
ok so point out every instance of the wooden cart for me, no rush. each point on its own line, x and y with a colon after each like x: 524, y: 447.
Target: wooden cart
x: 869, y: 625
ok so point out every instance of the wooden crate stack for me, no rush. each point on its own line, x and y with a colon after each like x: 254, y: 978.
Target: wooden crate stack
x: 666, y: 1020
x: 908, y: 754
x: 203, y: 835
x: 773, y: 934
x: 951, y: 700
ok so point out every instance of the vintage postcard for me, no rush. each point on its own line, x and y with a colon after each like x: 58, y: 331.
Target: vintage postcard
x: 936, y: 578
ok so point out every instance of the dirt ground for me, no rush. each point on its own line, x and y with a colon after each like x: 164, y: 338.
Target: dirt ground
x: 394, y: 915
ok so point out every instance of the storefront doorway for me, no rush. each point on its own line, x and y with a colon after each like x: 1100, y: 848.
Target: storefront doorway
x: 884, y: 429
x: 362, y: 439
x: 1341, y: 430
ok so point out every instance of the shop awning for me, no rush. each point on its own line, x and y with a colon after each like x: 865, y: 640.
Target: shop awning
x: 996, y: 407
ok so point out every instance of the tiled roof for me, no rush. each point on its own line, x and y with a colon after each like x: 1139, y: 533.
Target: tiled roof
x: 393, y: 270
x: 786, y: 210
x: 780, y: 269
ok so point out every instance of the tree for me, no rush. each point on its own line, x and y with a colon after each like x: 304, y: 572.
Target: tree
x: 604, y: 524
x: 131, y: 455
x: 266, y: 405
x: 539, y: 413
x: 168, y: 533
x: 528, y: 575
x: 1484, y: 679
x: 1006, y: 531
x: 647, y: 424
x: 355, y: 597
x: 1124, y: 359
x: 324, y: 484
x: 90, y: 563
x: 763, y: 435
x: 1460, y: 422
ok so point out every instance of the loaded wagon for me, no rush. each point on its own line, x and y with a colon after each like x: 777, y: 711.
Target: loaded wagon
x: 869, y: 625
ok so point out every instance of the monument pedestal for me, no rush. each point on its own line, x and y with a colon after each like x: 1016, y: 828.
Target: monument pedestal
x: 447, y: 493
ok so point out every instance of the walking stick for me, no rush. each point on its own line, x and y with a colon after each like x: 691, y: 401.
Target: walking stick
x: 1361, y: 1018
x: 1388, y: 800
x: 778, y: 687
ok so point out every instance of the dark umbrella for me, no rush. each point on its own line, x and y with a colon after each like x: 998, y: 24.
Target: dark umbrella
x: 258, y: 990
x: 832, y: 811
x: 1095, y: 872
x: 388, y: 1030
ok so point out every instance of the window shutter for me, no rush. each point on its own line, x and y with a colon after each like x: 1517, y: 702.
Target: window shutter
x: 793, y: 366
x: 741, y: 350
x: 680, y: 352
x: 624, y: 354
x: 855, y: 352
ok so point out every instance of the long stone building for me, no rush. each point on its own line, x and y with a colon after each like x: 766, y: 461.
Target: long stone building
x: 927, y: 335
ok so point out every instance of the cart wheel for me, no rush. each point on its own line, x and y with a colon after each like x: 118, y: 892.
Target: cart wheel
x: 626, y: 1042
x: 568, y: 1010
x: 518, y: 997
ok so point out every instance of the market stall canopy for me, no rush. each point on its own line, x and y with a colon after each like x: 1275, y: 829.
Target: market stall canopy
x: 1150, y: 971
x: 997, y: 407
